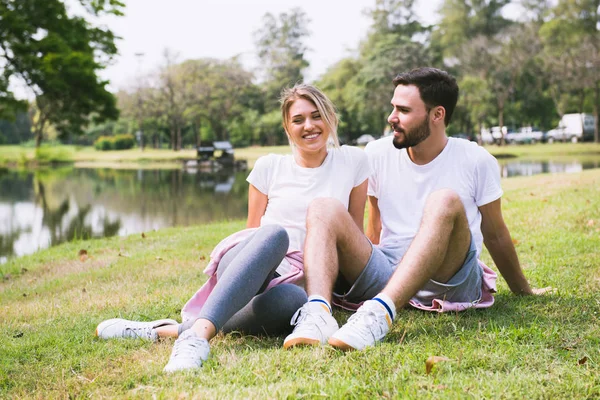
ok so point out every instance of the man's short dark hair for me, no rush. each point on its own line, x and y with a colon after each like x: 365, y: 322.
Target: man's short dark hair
x: 436, y: 87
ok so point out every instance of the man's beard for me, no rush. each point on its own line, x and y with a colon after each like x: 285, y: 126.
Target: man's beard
x: 412, y: 137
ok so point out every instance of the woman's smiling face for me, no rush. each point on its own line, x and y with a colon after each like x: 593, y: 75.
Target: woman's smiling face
x: 306, y: 128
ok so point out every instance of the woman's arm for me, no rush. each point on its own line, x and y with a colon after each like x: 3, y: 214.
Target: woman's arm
x: 356, y: 205
x: 374, y: 221
x: 257, y: 205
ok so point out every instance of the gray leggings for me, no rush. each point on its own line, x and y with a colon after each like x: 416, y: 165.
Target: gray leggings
x: 238, y: 301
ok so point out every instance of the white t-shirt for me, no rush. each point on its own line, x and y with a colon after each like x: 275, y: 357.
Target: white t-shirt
x: 402, y: 188
x: 290, y: 188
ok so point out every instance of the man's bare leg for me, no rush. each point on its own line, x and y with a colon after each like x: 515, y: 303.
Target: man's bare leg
x: 437, y: 252
x: 334, y: 244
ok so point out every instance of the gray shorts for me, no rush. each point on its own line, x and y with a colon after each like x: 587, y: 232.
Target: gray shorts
x: 464, y: 286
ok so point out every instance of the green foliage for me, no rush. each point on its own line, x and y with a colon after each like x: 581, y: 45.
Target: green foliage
x: 117, y: 142
x: 58, y: 57
x: 281, y: 50
x: 17, y: 130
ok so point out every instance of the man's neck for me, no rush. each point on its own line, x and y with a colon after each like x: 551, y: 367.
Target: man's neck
x: 426, y: 151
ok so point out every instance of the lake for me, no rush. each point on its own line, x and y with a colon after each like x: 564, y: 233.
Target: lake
x: 46, y: 207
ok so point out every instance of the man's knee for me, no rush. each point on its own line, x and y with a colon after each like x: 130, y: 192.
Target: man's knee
x: 444, y: 203
x: 324, y: 210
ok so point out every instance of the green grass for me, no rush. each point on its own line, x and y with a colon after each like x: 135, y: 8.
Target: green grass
x: 524, y: 347
x: 12, y: 156
x: 19, y: 156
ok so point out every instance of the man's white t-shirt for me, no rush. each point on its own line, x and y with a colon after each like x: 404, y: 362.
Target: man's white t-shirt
x: 402, y: 187
x: 290, y: 188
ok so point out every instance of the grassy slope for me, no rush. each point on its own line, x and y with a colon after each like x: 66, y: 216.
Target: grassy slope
x: 544, y: 347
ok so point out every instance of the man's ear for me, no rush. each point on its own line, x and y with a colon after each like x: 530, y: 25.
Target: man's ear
x: 439, y: 113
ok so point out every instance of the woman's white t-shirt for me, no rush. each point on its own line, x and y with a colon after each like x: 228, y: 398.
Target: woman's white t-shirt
x: 290, y: 188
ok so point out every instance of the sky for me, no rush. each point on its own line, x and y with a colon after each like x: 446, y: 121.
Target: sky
x: 224, y: 28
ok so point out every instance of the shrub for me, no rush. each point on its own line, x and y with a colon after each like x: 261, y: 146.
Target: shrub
x: 123, y: 142
x: 104, y: 143
x: 118, y: 142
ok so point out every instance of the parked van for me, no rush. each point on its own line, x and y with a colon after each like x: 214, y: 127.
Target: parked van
x: 574, y: 128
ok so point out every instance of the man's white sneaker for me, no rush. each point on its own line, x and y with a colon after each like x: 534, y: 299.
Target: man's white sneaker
x: 189, y: 352
x: 367, y: 326
x: 314, y: 325
x: 122, y: 328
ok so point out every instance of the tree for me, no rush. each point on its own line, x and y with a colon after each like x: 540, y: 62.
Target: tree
x: 396, y: 42
x: 340, y: 86
x: 463, y: 20
x: 281, y: 50
x: 572, y: 46
x: 58, y: 57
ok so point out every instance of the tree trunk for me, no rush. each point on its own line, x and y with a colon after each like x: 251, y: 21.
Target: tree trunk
x: 178, y: 138
x: 501, y: 123
x: 197, y: 126
x: 596, y: 112
x: 38, y: 139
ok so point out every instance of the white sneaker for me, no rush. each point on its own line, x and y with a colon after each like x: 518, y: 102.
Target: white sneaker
x: 314, y: 325
x: 122, y: 328
x: 189, y: 352
x: 367, y: 326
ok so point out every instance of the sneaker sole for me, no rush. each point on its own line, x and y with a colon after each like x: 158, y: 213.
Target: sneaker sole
x: 338, y: 344
x: 301, y: 342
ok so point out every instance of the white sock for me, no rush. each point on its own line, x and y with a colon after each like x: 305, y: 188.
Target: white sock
x: 320, y: 299
x: 388, y: 304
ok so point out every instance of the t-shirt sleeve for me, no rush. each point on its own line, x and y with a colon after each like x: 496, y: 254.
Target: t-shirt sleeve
x: 373, y: 188
x: 259, y: 177
x: 362, y: 169
x: 488, y: 180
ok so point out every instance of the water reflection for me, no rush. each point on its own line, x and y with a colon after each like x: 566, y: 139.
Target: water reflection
x: 533, y: 167
x: 48, y: 207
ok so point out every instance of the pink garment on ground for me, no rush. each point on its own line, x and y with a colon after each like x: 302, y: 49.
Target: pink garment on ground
x: 192, y: 308
x: 488, y: 287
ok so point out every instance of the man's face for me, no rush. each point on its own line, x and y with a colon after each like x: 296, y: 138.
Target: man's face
x: 409, y: 118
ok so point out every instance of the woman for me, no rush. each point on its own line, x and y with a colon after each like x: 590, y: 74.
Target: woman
x: 256, y: 273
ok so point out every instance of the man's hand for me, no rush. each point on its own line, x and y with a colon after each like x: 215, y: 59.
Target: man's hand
x: 546, y: 290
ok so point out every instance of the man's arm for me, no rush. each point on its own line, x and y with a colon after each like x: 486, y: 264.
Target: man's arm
x: 373, y: 221
x: 499, y: 243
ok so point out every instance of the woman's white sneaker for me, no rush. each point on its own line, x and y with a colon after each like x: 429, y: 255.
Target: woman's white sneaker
x: 189, y: 352
x: 125, y: 329
x: 367, y: 326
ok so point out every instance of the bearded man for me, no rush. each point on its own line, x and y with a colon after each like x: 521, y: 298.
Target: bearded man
x: 433, y: 202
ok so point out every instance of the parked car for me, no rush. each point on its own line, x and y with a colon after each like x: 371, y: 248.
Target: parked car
x: 526, y: 134
x: 364, y: 139
x: 555, y: 135
x: 493, y: 134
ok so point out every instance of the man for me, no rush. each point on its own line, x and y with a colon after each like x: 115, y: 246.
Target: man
x: 433, y: 201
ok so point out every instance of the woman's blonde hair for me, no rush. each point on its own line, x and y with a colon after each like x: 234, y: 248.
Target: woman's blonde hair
x: 317, y: 97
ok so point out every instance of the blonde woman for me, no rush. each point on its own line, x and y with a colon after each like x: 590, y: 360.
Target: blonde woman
x: 256, y: 275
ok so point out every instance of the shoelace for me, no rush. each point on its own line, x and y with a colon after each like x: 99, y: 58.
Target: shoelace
x: 371, y: 322
x: 299, y: 316
x: 187, y: 347
x: 142, y: 331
